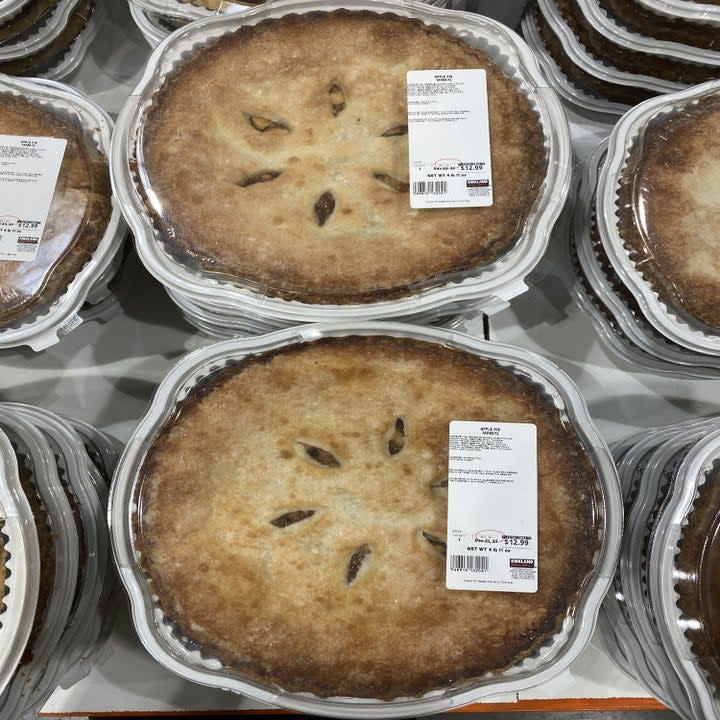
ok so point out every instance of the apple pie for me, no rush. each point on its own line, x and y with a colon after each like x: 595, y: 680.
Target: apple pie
x: 277, y: 156
x: 293, y: 511
x: 78, y: 218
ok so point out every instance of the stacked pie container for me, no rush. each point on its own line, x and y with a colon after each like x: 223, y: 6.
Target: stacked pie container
x: 157, y: 19
x: 659, y: 620
x: 88, y: 295
x: 46, y: 38
x: 226, y: 306
x: 604, y: 56
x: 59, y: 583
x: 637, y: 319
x: 164, y: 639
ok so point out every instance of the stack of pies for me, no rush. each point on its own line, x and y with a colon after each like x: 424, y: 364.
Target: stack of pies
x: 45, y: 38
x: 604, y: 56
x: 158, y: 18
x: 602, y: 295
x: 645, y: 234
x: 660, y: 622
x: 60, y: 580
x: 79, y: 249
x: 316, y: 474
x: 282, y: 195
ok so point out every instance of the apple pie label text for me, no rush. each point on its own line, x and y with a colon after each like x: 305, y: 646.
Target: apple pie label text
x: 29, y: 169
x: 492, y: 537
x: 449, y: 139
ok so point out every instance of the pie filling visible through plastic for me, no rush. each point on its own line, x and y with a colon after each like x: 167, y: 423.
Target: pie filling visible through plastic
x: 277, y: 156
x: 292, y: 519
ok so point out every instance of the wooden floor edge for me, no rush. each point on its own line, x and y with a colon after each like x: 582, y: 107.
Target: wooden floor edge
x: 621, y: 704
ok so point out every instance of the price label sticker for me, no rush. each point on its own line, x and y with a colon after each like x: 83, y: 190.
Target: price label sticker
x: 492, y: 539
x: 449, y: 139
x: 29, y: 170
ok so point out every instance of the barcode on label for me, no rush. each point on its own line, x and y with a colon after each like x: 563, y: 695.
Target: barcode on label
x: 424, y: 187
x: 478, y: 563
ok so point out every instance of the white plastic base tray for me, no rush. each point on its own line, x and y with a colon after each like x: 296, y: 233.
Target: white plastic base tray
x: 106, y: 373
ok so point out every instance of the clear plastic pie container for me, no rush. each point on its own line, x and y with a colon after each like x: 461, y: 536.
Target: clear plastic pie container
x: 92, y: 553
x: 682, y: 567
x: 624, y: 328
x: 649, y: 466
x: 44, y: 327
x: 621, y: 35
x: 593, y: 65
x: 707, y: 13
x: 199, y: 9
x: 149, y: 24
x: 658, y: 479
x: 162, y: 640
x: 563, y: 85
x: 614, y: 620
x: 103, y: 597
x: 663, y: 63
x: 68, y: 60
x: 590, y: 287
x: 9, y: 8
x: 51, y: 56
x: 493, y: 285
x: 103, y: 449
x: 39, y: 466
x: 628, y: 136
x: 42, y: 36
x: 224, y: 322
x: 21, y: 575
x: 26, y: 20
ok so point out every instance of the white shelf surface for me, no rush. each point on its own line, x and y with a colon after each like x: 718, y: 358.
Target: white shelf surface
x: 106, y: 374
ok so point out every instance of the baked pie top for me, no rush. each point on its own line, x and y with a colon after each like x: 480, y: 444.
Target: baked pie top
x: 277, y: 155
x: 292, y: 519
x: 79, y: 213
x: 698, y: 577
x: 669, y: 209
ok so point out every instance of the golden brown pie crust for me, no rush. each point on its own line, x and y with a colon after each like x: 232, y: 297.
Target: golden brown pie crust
x: 698, y: 577
x: 78, y: 218
x: 669, y: 209
x: 238, y: 198
x: 314, y: 427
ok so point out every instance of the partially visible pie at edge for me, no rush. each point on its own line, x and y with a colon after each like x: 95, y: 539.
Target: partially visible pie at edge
x: 277, y: 155
x: 293, y: 511
x: 669, y: 209
x: 698, y: 578
x: 78, y: 217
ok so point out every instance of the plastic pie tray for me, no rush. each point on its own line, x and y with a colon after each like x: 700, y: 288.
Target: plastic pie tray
x: 166, y: 648
x: 491, y: 286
